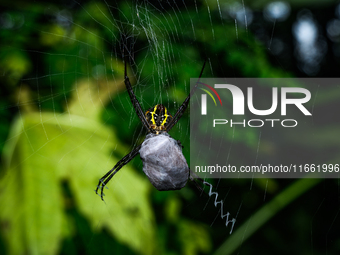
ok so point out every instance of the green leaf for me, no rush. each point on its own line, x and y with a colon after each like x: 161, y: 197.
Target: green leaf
x: 30, y: 197
x: 194, y: 237
x: 45, y: 149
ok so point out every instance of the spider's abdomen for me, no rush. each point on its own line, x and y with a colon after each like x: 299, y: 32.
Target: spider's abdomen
x: 163, y: 162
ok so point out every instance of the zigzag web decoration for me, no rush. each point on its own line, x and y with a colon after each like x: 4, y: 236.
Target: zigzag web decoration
x: 233, y: 220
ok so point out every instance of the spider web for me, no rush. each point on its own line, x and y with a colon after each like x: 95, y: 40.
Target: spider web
x: 77, y: 70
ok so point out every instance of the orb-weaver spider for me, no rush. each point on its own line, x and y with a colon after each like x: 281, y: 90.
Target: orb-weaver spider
x: 163, y: 160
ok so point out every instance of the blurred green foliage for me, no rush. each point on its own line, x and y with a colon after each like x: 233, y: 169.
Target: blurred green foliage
x: 66, y: 119
x: 57, y: 148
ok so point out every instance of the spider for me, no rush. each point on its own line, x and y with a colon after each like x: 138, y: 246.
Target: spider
x: 163, y: 160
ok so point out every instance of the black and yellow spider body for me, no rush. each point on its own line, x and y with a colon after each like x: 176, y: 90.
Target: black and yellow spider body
x: 158, y: 117
x: 163, y: 160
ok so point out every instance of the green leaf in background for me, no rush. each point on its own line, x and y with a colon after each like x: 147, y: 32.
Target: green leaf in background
x: 195, y: 237
x: 46, y: 149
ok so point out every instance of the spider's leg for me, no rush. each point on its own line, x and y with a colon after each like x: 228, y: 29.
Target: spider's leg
x: 107, y: 177
x: 197, y: 185
x: 194, y: 178
x: 135, y: 102
x: 184, y: 106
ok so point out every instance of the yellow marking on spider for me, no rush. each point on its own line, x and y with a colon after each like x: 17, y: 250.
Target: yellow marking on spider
x: 152, y: 114
x: 166, y: 116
